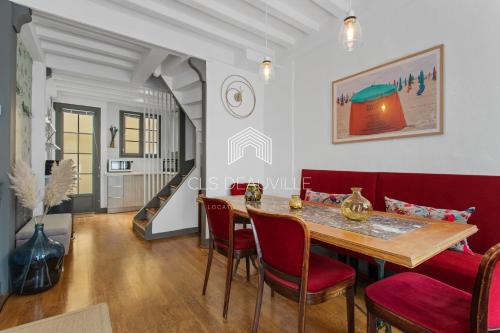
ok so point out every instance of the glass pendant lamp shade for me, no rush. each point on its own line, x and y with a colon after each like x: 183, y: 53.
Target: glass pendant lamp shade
x: 350, y: 35
x: 266, y: 71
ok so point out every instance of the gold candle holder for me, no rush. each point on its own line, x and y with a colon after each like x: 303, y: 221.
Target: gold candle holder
x: 295, y: 202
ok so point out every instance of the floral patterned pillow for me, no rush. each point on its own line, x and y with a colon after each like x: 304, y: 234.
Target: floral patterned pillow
x: 404, y: 208
x: 327, y: 198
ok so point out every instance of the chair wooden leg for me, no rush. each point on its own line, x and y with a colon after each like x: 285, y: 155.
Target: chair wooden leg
x: 229, y: 278
x: 253, y: 263
x: 236, y: 266
x: 371, y: 322
x: 350, y: 309
x: 302, y: 314
x: 258, y: 303
x: 247, y: 261
x: 209, y: 265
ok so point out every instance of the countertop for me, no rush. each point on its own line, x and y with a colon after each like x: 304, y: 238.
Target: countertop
x: 138, y: 173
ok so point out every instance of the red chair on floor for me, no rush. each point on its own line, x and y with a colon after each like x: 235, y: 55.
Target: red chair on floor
x: 240, y: 189
x: 234, y: 244
x: 288, y: 267
x: 416, y: 303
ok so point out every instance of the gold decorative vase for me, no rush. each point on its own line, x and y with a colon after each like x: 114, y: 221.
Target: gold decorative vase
x: 356, y: 207
x: 253, y: 193
x: 295, y: 202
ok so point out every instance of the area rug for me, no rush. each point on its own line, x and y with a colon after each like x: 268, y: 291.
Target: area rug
x: 93, y: 319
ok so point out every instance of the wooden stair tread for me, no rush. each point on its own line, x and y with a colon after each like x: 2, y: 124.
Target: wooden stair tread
x: 163, y: 197
x: 152, y: 210
x: 141, y: 222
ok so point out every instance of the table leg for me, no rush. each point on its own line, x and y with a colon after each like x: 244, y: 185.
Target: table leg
x: 381, y: 274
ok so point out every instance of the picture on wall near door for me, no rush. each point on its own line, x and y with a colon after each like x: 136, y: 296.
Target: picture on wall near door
x: 402, y: 98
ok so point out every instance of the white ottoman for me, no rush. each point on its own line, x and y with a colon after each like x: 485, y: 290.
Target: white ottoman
x: 56, y: 226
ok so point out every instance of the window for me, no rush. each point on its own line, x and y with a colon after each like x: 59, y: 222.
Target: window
x: 78, y: 145
x: 131, y: 134
x: 139, y: 134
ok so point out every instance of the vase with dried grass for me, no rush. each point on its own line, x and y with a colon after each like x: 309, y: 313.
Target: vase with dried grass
x: 37, y: 264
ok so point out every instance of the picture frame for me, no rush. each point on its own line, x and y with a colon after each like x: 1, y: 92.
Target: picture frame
x: 398, y: 99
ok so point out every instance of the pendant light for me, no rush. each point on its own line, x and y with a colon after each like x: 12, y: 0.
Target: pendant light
x: 350, y: 35
x: 266, y: 71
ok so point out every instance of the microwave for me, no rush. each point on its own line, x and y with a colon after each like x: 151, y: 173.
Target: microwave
x: 119, y: 166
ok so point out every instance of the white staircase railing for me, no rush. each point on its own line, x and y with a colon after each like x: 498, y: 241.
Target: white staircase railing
x: 161, y: 148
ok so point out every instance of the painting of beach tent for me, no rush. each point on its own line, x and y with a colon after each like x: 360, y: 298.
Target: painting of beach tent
x: 402, y: 98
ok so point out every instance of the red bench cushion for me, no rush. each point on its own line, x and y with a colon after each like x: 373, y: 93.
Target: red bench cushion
x: 449, y: 191
x: 427, y: 302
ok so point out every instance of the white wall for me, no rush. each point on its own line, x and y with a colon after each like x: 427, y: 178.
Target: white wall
x: 392, y: 29
x: 221, y: 125
x: 278, y: 124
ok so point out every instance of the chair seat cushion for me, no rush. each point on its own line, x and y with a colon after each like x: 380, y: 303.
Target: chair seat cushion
x: 324, y: 273
x: 425, y: 301
x: 243, y: 240
x: 459, y: 270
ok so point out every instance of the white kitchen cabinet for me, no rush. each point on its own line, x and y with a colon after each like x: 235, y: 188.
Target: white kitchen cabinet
x: 125, y: 193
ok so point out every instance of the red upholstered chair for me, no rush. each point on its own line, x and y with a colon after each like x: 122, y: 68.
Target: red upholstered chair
x: 416, y: 303
x: 288, y: 267
x: 234, y: 244
x: 240, y: 189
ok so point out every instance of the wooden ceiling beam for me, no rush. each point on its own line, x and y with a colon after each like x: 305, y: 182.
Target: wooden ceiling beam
x: 337, y: 8
x: 179, y: 18
x: 68, y: 39
x: 231, y: 15
x: 67, y: 51
x: 288, y: 14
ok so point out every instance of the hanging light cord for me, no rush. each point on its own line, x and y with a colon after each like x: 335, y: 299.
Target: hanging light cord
x: 266, y: 24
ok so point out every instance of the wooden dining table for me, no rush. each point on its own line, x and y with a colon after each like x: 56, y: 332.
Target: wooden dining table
x: 403, y: 240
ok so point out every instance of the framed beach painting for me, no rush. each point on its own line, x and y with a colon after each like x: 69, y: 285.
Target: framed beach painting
x: 402, y: 98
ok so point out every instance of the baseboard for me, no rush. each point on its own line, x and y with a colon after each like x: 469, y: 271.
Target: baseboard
x: 101, y: 210
x: 174, y: 233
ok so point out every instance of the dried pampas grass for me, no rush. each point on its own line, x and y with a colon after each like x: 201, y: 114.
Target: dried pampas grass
x: 61, y: 183
x: 24, y: 183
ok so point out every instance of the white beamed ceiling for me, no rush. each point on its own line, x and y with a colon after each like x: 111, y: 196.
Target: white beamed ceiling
x: 124, y: 41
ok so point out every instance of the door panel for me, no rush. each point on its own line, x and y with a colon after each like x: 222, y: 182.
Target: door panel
x: 78, y: 137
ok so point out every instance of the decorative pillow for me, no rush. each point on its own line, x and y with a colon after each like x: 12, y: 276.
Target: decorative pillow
x: 404, y: 208
x: 335, y: 199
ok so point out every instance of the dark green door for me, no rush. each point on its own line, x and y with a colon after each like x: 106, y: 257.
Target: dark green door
x: 78, y: 138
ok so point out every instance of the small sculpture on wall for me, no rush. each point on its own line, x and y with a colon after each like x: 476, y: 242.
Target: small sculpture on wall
x: 113, y: 130
x: 238, y: 96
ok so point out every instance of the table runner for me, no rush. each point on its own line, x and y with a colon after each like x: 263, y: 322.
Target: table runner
x: 380, y: 226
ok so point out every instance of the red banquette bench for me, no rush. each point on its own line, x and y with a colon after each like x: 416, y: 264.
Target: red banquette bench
x: 435, y: 190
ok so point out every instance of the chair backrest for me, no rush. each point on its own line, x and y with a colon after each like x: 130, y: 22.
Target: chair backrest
x: 220, y: 218
x: 240, y: 188
x: 282, y: 244
x: 482, y: 287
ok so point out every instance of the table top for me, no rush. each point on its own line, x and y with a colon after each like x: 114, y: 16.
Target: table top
x: 385, y: 236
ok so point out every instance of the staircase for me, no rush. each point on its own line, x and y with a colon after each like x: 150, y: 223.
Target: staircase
x: 159, y: 217
x: 143, y: 221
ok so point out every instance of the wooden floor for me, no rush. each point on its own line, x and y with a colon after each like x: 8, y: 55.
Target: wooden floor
x: 156, y: 287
